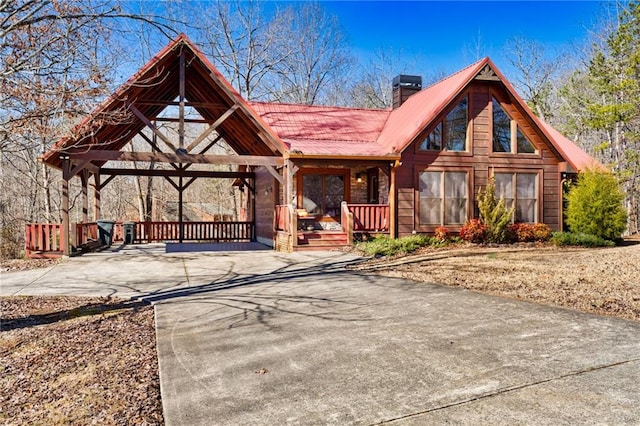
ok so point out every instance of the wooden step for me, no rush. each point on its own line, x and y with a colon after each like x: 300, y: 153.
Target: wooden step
x: 321, y: 240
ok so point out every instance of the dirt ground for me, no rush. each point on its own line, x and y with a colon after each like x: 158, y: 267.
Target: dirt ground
x: 603, y: 281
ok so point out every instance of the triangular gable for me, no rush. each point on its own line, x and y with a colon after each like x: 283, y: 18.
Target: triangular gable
x: 409, y: 120
x: 154, y: 87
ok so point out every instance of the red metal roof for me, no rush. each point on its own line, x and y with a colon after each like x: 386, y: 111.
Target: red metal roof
x: 326, y: 130
x: 407, y: 121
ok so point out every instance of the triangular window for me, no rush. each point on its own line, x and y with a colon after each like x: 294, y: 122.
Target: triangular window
x: 524, y: 146
x: 454, y: 137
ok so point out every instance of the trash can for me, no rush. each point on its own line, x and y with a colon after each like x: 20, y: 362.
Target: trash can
x: 105, y: 231
x: 129, y: 232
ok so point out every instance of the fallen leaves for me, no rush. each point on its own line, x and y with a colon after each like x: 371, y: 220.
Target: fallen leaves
x: 69, y: 360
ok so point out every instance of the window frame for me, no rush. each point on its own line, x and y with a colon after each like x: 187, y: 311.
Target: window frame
x: 442, y: 121
x: 514, y: 127
x: 468, y: 171
x: 538, y: 210
x: 345, y: 173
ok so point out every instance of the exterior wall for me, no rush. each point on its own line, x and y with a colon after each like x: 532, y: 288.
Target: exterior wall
x: 266, y: 191
x: 480, y: 162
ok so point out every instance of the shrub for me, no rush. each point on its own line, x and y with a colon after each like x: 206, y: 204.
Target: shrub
x: 526, y: 232
x: 441, y: 234
x: 474, y: 231
x: 494, y: 213
x: 579, y: 239
x: 595, y: 206
x: 541, y: 232
x: 384, y: 246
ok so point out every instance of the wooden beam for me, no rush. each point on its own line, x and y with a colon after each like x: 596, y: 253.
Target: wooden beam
x: 273, y: 172
x: 155, y: 147
x: 77, y: 168
x: 186, y: 185
x: 160, y: 102
x: 177, y: 173
x: 175, y: 185
x: 181, y: 92
x: 211, y: 128
x: 96, y: 196
x: 168, y: 157
x: 153, y: 128
x: 64, y: 233
x: 107, y: 181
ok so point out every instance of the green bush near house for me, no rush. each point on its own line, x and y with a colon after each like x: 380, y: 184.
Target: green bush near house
x: 595, y: 206
x: 494, y: 213
x: 382, y: 245
x: 579, y: 239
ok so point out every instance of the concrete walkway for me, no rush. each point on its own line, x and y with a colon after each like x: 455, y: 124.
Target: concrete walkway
x: 259, y: 337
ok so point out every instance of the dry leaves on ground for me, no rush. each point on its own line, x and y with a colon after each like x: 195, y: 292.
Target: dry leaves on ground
x: 602, y: 281
x: 68, y: 360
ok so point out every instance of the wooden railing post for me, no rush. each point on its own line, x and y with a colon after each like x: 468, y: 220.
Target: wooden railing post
x: 293, y: 230
x: 347, y: 221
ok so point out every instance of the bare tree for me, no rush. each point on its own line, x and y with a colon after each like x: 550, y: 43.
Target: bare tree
x: 318, y: 56
x: 536, y: 73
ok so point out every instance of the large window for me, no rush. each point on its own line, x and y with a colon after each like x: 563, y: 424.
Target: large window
x: 521, y: 189
x: 443, y: 198
x: 507, y: 136
x: 454, y: 137
x: 322, y: 194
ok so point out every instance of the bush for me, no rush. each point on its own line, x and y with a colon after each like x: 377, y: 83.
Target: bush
x: 494, y: 213
x: 474, y: 231
x: 382, y: 245
x: 525, y: 232
x: 441, y: 234
x: 595, y: 206
x: 579, y: 239
x: 541, y: 232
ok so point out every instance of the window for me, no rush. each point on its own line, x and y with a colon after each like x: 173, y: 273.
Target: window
x: 322, y: 194
x: 521, y: 188
x: 443, y: 198
x: 507, y: 136
x: 454, y: 137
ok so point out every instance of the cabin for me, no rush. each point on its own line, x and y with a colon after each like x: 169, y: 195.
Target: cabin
x: 315, y: 176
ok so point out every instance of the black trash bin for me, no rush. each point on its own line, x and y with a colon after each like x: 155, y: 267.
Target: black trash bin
x: 105, y: 231
x: 129, y: 232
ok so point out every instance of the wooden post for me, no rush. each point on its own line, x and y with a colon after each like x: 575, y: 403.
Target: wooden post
x: 96, y: 197
x: 64, y: 234
x: 393, y: 202
x: 180, y: 224
x: 84, y: 178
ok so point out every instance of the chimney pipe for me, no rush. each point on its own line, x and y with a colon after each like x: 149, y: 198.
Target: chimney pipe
x: 403, y: 87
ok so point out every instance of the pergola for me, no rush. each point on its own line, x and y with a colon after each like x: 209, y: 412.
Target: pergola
x: 179, y: 78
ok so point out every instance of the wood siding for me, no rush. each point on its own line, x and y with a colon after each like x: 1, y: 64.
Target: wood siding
x: 480, y: 161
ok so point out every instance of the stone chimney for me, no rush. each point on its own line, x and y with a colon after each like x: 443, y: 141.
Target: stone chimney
x: 405, y: 86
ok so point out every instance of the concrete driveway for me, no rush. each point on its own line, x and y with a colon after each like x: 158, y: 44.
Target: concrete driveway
x: 258, y: 337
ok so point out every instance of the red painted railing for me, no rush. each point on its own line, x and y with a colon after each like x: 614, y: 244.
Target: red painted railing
x: 194, y: 231
x: 43, y: 240
x: 370, y: 217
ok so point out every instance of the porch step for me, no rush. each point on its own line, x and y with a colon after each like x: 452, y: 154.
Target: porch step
x: 321, y: 240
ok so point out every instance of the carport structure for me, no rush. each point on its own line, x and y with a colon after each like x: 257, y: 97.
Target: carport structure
x: 175, y: 86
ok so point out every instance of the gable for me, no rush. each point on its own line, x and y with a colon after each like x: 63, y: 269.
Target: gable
x: 178, y: 70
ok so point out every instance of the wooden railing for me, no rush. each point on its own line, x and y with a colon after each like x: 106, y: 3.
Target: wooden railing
x: 370, y: 217
x: 170, y: 231
x: 43, y: 240
x: 195, y: 231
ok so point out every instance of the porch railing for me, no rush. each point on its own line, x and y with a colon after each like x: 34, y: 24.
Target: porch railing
x: 43, y: 240
x: 170, y: 231
x: 370, y: 217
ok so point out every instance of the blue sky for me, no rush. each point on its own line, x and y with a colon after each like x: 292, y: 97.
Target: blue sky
x: 444, y: 35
